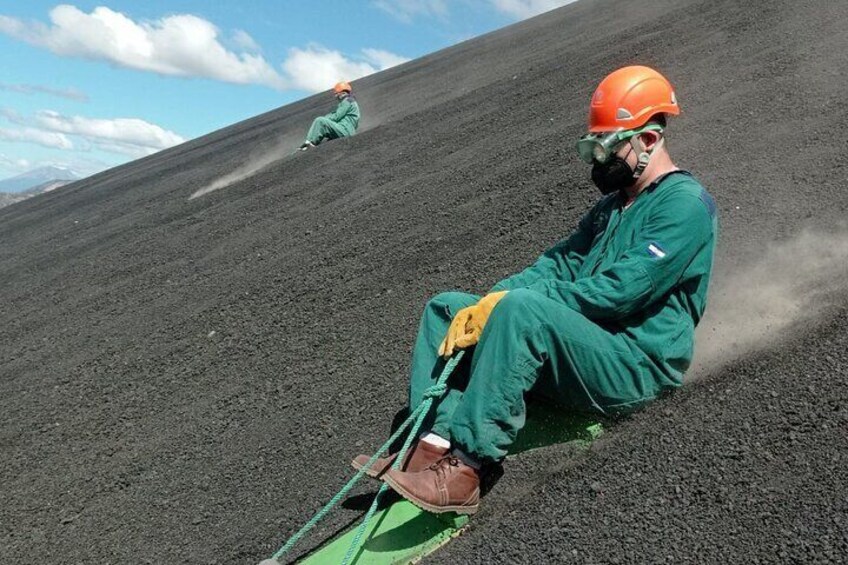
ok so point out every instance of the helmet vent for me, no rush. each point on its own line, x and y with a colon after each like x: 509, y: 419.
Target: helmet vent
x: 623, y: 114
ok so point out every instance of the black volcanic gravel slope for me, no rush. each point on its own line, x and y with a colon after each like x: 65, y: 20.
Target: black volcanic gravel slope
x: 748, y: 466
x: 184, y: 381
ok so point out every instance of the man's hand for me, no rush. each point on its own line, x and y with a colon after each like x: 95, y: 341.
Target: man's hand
x: 467, y: 325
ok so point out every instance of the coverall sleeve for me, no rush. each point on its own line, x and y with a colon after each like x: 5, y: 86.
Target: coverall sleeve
x: 652, y: 265
x: 340, y: 112
x: 562, y: 261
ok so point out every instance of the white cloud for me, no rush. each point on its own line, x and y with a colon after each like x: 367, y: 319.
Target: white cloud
x: 245, y: 41
x: 14, y: 164
x: 180, y: 45
x: 406, y: 10
x: 189, y: 46
x: 126, y: 136
x: 37, y: 136
x: 317, y: 68
x: 12, y: 115
x: 124, y: 131
x: 82, y: 166
x: 69, y: 93
x: 383, y: 59
x: 134, y: 151
x: 521, y: 9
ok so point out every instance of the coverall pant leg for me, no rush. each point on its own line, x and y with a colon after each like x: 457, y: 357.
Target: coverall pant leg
x: 323, y: 128
x: 427, y: 365
x: 533, y: 342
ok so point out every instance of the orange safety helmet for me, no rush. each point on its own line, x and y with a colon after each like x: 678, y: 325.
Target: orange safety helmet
x: 628, y: 98
x: 342, y: 86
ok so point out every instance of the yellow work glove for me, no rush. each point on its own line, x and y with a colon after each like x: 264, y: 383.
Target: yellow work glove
x: 467, y: 325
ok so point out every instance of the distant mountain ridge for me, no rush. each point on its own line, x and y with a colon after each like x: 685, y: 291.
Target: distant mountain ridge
x: 31, y: 183
x: 37, y: 177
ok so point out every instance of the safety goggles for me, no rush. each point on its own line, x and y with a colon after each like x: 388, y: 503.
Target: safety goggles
x: 600, y: 147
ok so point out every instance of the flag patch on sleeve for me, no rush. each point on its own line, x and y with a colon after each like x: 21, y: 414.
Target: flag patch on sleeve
x: 655, y: 250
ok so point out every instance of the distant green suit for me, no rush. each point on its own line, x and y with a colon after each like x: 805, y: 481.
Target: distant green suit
x: 340, y: 123
x: 604, y: 320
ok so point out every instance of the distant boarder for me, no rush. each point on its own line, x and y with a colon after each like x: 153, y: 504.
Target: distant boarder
x: 342, y: 122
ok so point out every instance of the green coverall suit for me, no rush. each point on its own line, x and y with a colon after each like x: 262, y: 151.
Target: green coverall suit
x: 342, y: 122
x: 603, y: 321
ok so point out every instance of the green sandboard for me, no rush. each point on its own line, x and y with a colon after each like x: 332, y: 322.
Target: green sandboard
x: 400, y: 533
x: 403, y: 533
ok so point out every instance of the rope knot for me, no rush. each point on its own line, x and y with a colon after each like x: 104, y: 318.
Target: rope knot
x: 435, y: 391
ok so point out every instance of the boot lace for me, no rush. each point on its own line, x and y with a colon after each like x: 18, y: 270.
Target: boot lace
x: 446, y: 460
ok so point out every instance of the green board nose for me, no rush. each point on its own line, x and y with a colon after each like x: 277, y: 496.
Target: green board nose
x: 403, y: 533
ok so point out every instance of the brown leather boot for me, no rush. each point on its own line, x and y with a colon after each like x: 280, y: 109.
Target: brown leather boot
x: 448, y: 485
x: 418, y: 457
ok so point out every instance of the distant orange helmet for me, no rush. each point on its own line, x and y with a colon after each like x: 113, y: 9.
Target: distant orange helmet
x: 628, y: 98
x: 342, y: 87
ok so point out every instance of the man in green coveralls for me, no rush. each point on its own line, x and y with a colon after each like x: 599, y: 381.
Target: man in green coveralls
x: 341, y: 122
x: 604, y: 320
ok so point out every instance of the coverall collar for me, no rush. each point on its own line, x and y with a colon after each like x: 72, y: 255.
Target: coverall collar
x: 622, y: 197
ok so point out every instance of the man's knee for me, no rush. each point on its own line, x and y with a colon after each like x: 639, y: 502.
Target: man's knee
x: 450, y: 297
x: 451, y: 302
x: 527, y: 308
x: 520, y: 303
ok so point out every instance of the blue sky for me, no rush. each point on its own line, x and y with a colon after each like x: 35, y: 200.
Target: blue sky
x: 90, y: 85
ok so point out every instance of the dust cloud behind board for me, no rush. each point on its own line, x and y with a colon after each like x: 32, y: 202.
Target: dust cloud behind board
x: 752, y: 307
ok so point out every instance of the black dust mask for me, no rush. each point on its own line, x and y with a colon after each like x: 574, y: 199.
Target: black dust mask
x: 614, y: 174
